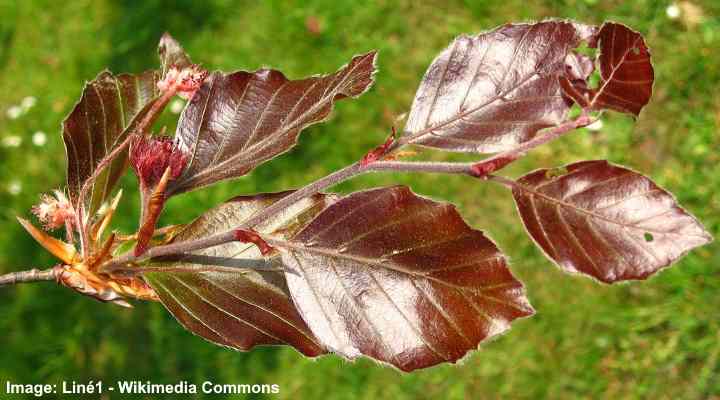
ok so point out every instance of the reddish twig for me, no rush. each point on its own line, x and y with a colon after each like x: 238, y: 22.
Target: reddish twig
x: 250, y: 236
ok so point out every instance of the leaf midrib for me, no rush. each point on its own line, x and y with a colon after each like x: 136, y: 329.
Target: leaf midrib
x: 589, y: 213
x: 249, y: 153
x: 461, y: 115
x: 328, y: 252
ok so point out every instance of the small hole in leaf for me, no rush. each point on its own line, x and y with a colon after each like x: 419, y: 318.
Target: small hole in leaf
x: 636, y: 50
x: 648, y: 237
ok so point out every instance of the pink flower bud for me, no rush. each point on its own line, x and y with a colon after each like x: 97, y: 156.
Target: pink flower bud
x: 54, y: 212
x: 185, y: 81
x: 150, y: 157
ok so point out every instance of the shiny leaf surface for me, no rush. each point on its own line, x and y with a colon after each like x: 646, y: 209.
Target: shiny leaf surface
x: 230, y: 294
x: 625, y: 70
x: 489, y: 92
x: 237, y: 121
x: 605, y: 221
x: 399, y: 278
x: 109, y: 108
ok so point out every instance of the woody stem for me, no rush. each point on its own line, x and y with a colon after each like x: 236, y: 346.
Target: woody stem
x: 32, y: 275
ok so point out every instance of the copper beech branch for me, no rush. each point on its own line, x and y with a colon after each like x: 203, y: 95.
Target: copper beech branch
x: 500, y: 93
x: 32, y: 275
x: 481, y: 170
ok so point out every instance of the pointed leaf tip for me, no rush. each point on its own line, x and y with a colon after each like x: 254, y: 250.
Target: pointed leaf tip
x: 172, y: 54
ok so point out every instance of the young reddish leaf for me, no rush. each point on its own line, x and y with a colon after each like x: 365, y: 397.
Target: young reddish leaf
x: 237, y: 121
x: 105, y: 217
x: 231, y: 294
x: 625, y: 69
x: 605, y: 221
x: 156, y: 162
x: 152, y: 210
x: 64, y: 251
x: 399, y: 278
x: 109, y: 108
x: 172, y: 54
x: 489, y: 92
x: 250, y: 236
x: 379, y: 151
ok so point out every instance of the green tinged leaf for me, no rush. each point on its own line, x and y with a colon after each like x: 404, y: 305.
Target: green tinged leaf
x: 231, y: 294
x: 626, y: 73
x: 110, y: 107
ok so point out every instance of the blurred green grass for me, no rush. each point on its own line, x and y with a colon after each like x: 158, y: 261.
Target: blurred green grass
x: 657, y: 339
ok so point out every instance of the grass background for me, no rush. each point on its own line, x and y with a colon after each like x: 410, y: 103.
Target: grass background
x: 657, y: 339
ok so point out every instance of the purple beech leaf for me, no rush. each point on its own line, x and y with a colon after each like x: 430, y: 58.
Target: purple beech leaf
x: 605, y: 221
x: 231, y: 294
x: 110, y: 107
x: 402, y: 279
x: 490, y: 92
x: 239, y: 120
x: 172, y: 54
x: 626, y: 73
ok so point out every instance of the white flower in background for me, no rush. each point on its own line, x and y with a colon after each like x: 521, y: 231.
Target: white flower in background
x: 28, y: 103
x: 11, y: 141
x: 673, y: 11
x: 595, y: 126
x: 14, y: 112
x: 176, y: 106
x: 691, y: 14
x: 39, y: 138
x: 14, y: 188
